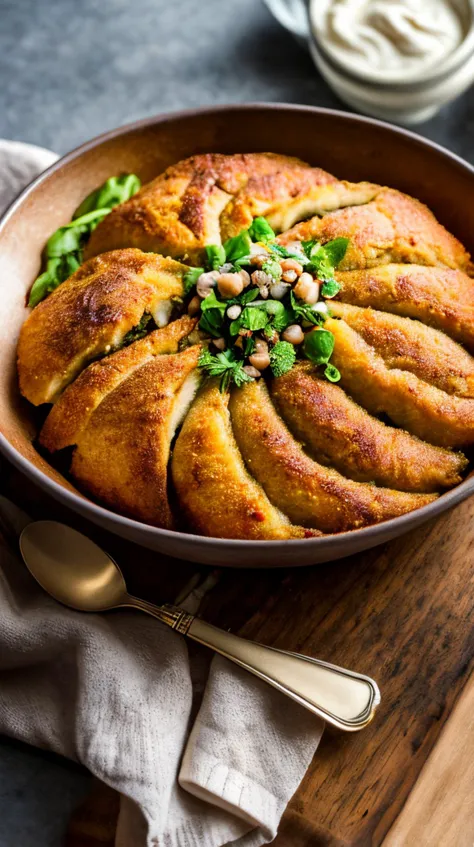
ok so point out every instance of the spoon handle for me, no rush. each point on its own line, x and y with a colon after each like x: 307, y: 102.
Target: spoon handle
x: 345, y: 699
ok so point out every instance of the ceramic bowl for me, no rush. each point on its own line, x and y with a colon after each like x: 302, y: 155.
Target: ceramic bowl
x: 349, y: 146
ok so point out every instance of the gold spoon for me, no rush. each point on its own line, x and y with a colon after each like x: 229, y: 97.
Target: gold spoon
x: 77, y: 573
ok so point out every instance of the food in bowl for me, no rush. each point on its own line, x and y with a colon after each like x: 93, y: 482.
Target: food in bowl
x: 248, y: 347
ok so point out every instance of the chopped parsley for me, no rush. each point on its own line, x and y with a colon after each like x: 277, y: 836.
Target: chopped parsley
x: 226, y: 365
x: 323, y: 260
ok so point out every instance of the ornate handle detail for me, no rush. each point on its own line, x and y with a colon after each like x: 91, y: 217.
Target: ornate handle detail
x: 172, y: 616
x: 345, y: 699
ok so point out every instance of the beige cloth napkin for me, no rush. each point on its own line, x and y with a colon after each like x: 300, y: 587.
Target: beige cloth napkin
x: 116, y: 693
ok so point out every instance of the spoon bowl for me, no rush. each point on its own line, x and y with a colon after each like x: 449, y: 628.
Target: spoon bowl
x: 71, y: 568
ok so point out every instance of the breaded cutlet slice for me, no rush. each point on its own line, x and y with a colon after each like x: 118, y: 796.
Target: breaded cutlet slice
x: 309, y: 493
x: 90, y: 314
x: 72, y: 412
x: 439, y: 297
x: 392, y: 227
x: 410, y: 402
x: 338, y: 433
x: 211, y: 197
x: 410, y: 345
x: 217, y: 495
x: 121, y: 456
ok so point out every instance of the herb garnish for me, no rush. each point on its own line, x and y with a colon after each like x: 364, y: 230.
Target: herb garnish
x: 191, y: 277
x: 260, y: 230
x: 331, y: 373
x: 318, y: 346
x: 226, y: 365
x: 282, y: 358
x: 323, y: 260
x: 64, y: 249
x: 261, y: 316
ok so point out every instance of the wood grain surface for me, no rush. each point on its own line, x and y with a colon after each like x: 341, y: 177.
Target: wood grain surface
x: 401, y: 613
x: 440, y: 809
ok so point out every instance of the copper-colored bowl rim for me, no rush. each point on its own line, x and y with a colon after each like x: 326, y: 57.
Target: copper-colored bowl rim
x: 366, y: 536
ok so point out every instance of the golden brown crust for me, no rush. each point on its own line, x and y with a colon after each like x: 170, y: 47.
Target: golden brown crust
x: 207, y: 198
x: 89, y: 314
x: 310, y: 494
x: 440, y: 297
x: 71, y: 413
x: 340, y: 434
x: 122, y: 454
x: 119, y: 414
x: 411, y: 403
x: 411, y: 346
x: 391, y: 228
x: 217, y: 495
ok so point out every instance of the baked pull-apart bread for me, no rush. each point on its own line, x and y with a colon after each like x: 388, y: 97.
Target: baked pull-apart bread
x: 254, y: 349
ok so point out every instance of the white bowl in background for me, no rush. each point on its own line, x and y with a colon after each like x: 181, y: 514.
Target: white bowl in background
x: 407, y: 100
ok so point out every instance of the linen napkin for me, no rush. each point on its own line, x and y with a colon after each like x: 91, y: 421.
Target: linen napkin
x: 118, y: 692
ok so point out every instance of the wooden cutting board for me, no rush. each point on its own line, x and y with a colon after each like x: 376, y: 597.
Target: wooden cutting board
x: 401, y: 613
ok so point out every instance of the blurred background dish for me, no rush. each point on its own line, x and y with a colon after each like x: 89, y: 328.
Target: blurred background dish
x: 400, y: 61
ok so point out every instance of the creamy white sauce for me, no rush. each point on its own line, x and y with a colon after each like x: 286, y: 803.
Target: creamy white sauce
x: 389, y: 38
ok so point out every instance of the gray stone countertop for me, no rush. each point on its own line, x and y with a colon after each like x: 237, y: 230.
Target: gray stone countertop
x: 70, y: 69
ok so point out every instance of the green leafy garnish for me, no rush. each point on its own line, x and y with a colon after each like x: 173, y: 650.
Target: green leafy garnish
x: 279, y: 316
x: 226, y: 365
x: 323, y: 260
x: 330, y: 288
x: 273, y: 269
x: 318, y: 346
x: 70, y: 238
x: 211, y: 302
x: 269, y: 315
x: 237, y: 248
x: 284, y: 253
x: 190, y: 278
x: 213, y: 312
x: 254, y: 319
x: 246, y: 297
x: 215, y: 256
x: 212, y: 323
x: 58, y: 269
x: 115, y: 190
x: 331, y: 373
x: 261, y: 230
x: 282, y: 358
x: 336, y: 250
x: 64, y: 249
x: 305, y: 312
